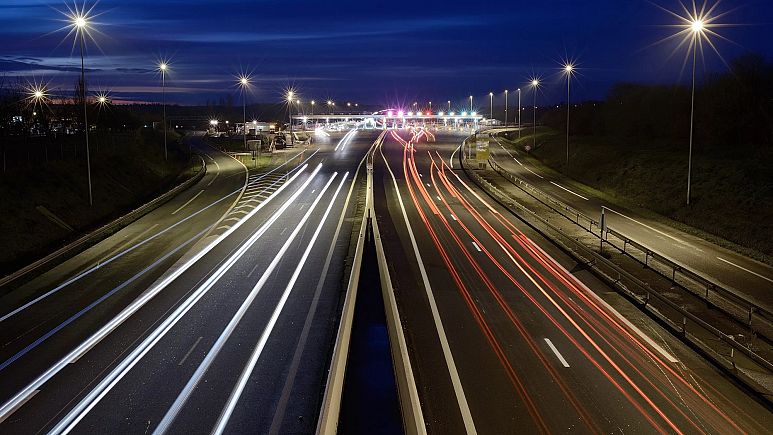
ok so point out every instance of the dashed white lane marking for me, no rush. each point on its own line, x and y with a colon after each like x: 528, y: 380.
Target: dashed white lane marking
x: 476, y: 246
x: 558, y: 354
x: 564, y: 188
x: 453, y: 217
x: 745, y: 269
x: 187, y: 354
x: 217, y: 174
x: 438, y: 198
x: 283, y: 232
x: 253, y: 270
x: 188, y: 202
x: 612, y: 310
x: 518, y: 161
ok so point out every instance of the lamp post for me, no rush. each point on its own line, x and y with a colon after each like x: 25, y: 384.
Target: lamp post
x: 506, y: 117
x: 312, y: 107
x: 491, y: 104
x: 290, y: 95
x: 162, y: 67
x: 534, y: 86
x: 519, y: 113
x: 80, y: 23
x: 244, y: 83
x: 449, y: 105
x: 697, y: 27
x: 568, y: 68
x: 470, y: 103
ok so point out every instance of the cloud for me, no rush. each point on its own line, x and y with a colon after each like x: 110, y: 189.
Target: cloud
x: 19, y: 66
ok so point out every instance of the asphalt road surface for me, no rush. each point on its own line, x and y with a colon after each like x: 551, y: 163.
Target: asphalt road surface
x: 749, y: 277
x: 216, y: 311
x: 504, y: 333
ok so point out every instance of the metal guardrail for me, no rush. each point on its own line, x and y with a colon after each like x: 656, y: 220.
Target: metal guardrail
x: 672, y: 267
x: 109, y: 227
x: 632, y: 287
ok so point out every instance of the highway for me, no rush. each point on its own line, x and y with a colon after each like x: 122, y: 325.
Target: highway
x: 504, y: 332
x: 749, y: 277
x: 217, y: 310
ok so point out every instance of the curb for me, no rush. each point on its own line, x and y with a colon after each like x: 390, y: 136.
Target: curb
x: 109, y: 227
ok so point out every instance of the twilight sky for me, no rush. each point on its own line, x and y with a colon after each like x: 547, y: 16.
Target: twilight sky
x: 378, y: 52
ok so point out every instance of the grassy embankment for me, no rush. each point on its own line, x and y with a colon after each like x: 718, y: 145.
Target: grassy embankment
x: 235, y: 146
x: 732, y: 193
x: 127, y: 170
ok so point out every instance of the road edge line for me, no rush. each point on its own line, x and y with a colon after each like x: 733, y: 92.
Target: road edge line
x: 413, y: 417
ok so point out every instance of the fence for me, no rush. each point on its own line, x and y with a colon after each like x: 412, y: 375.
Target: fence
x: 639, y: 292
x: 678, y: 273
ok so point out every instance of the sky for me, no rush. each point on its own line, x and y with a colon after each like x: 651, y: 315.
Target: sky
x: 372, y: 52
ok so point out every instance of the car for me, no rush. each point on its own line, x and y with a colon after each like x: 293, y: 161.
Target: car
x: 279, y: 141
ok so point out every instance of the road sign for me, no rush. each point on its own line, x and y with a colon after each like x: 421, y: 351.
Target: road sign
x: 482, y: 150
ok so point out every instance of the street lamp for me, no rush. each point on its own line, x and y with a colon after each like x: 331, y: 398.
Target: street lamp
x: 568, y: 70
x: 470, y: 103
x: 79, y: 24
x: 290, y: 95
x: 312, y: 107
x: 329, y: 108
x: 534, y: 85
x: 162, y: 68
x: 491, y: 103
x: 449, y: 105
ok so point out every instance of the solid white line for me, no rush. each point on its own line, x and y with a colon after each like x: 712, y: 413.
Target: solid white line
x: 92, y: 398
x: 461, y: 399
x: 214, y: 351
x: 188, y: 202
x: 517, y: 161
x: 233, y: 399
x: 476, y: 246
x: 646, y: 226
x: 451, y: 159
x: 525, y: 167
x: 558, y: 354
x: 745, y: 269
x: 187, y: 354
x: 564, y: 188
